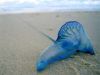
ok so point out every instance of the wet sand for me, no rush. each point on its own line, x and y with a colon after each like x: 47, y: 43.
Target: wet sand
x: 21, y: 44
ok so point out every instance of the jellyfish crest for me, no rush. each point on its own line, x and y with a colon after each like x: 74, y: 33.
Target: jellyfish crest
x: 69, y: 30
x: 74, y: 32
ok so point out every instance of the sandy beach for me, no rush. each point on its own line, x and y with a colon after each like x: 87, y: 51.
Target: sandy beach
x: 21, y: 44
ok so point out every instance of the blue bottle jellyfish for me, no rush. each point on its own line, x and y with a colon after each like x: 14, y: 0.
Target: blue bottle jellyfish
x: 71, y: 38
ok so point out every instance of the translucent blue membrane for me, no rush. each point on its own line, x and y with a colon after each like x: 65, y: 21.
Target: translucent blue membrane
x: 72, y: 38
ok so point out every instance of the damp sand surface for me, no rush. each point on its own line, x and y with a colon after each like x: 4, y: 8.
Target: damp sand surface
x: 21, y: 44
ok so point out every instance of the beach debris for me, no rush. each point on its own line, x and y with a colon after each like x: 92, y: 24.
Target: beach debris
x: 72, y: 38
